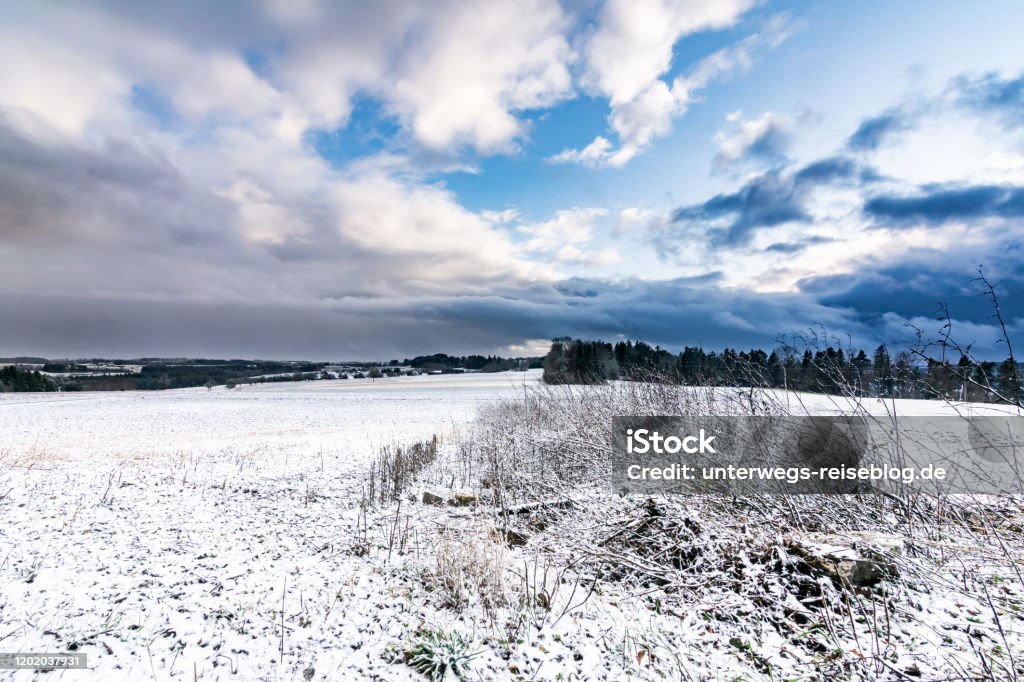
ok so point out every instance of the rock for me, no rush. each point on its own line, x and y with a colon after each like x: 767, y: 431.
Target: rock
x: 458, y: 500
x: 858, y: 560
x: 431, y: 498
x: 861, y: 572
x: 514, y: 538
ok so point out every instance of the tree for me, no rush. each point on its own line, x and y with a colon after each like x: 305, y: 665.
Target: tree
x: 21, y: 381
x: 883, y: 372
x: 1008, y: 380
x: 556, y: 364
x: 1005, y: 386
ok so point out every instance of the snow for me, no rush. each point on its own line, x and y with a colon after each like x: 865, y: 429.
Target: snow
x: 159, y: 531
x: 209, y: 534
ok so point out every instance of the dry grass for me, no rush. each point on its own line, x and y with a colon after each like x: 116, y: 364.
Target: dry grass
x: 543, y: 462
x: 395, y: 469
x: 470, y: 567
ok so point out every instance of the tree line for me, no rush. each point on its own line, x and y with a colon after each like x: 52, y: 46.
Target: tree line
x: 17, y: 380
x: 823, y: 370
x: 478, y: 363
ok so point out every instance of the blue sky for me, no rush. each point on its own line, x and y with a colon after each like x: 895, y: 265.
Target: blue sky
x: 357, y: 180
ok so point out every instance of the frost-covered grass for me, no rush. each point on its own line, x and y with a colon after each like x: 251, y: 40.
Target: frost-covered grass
x: 165, y: 534
x: 230, y: 535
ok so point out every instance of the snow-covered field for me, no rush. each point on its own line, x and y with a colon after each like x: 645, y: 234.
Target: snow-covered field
x: 162, y: 532
x: 202, y: 535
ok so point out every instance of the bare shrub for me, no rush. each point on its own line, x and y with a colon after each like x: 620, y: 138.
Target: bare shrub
x: 555, y: 442
x: 747, y: 561
x: 395, y: 469
x: 549, y: 589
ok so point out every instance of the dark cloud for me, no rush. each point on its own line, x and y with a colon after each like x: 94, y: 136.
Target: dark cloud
x: 916, y: 284
x: 936, y: 205
x: 770, y: 145
x: 873, y: 131
x: 671, y: 313
x: 115, y: 193
x: 992, y: 93
x: 826, y: 170
x: 797, y: 246
x: 770, y: 199
x: 869, y: 306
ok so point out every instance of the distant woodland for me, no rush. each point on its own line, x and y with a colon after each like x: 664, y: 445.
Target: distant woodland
x: 824, y: 370
x: 14, y: 379
x: 569, y: 361
x: 24, y: 374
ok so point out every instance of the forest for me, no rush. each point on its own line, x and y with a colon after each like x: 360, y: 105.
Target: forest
x: 820, y: 370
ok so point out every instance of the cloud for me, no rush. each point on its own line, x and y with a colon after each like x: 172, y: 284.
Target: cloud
x: 161, y: 189
x: 475, y: 66
x: 936, y: 205
x: 593, y: 155
x: 500, y: 217
x: 114, y: 194
x: 915, y: 284
x: 634, y: 218
x: 798, y: 246
x: 561, y: 238
x: 671, y: 313
x: 828, y: 169
x: 632, y: 46
x: 763, y: 139
x: 454, y: 74
x: 569, y: 226
x: 993, y: 93
x: 120, y: 215
x: 875, y: 130
x: 767, y: 200
x: 630, y: 52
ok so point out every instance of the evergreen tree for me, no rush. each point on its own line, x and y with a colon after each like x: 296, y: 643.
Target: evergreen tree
x: 1009, y: 382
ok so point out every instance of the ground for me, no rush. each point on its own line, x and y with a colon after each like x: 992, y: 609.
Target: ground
x: 161, y: 532
x: 220, y: 534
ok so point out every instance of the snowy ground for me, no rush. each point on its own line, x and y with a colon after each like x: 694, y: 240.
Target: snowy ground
x: 206, y: 535
x: 161, y: 532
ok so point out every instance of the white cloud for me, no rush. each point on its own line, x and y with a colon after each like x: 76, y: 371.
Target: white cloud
x: 631, y: 51
x: 572, y: 255
x: 632, y: 46
x: 594, y: 154
x: 568, y: 227
x: 216, y: 155
x: 425, y: 230
x: 764, y: 137
x: 476, y: 66
x: 260, y: 217
x: 454, y: 73
x: 500, y: 217
x: 950, y: 146
x: 526, y: 348
x: 562, y: 238
x: 633, y: 219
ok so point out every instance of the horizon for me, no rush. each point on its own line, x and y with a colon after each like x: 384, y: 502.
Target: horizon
x: 320, y: 180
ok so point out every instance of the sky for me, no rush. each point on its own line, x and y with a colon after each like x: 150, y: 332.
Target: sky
x: 352, y: 180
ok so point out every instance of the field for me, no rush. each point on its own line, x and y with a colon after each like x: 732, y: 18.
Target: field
x: 162, y: 532
x: 224, y: 534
